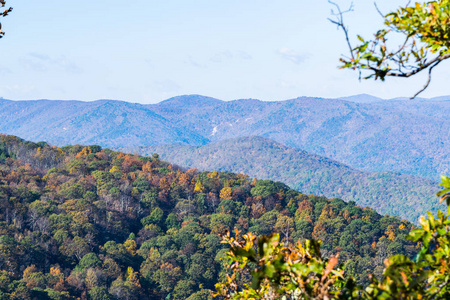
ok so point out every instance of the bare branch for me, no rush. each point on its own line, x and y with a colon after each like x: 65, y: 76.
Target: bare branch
x: 340, y: 23
x: 378, y: 10
x: 428, y: 82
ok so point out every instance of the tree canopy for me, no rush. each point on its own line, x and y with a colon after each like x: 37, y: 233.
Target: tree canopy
x: 280, y: 271
x: 82, y: 222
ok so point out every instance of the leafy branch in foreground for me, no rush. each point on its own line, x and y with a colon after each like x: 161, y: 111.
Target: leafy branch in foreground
x: 3, y: 14
x: 297, y: 272
x: 300, y: 272
x: 423, y: 28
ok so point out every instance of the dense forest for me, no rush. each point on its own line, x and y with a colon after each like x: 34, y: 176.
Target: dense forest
x: 402, y: 195
x: 82, y: 222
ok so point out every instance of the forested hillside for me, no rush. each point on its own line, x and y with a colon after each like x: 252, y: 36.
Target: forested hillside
x: 91, y: 223
x: 388, y: 193
x: 104, y: 122
x: 398, y: 135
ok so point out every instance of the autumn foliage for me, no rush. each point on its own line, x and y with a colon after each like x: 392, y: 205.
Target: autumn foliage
x: 82, y: 222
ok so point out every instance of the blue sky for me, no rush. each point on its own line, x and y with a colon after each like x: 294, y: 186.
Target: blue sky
x: 147, y: 51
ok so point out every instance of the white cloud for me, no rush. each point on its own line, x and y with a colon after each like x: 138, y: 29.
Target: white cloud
x: 292, y: 55
x: 221, y: 56
x: 244, y: 55
x: 5, y: 70
x: 41, y: 62
x: 67, y: 65
x: 193, y: 62
x: 40, y: 56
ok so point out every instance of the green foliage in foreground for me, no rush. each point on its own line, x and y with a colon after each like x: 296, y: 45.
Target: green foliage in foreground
x: 278, y: 271
x: 89, y: 223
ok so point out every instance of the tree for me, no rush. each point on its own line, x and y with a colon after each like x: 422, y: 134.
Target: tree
x: 225, y: 193
x: 77, y: 247
x: 281, y: 272
x: 121, y: 290
x: 424, y: 30
x: 90, y: 260
x: 285, y: 226
x: 4, y: 14
x: 99, y: 293
x: 183, y: 288
x: 300, y: 272
x: 199, y: 188
x: 167, y: 277
x: 116, y: 251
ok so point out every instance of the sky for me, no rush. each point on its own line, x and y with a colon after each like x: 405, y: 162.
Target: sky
x: 147, y: 51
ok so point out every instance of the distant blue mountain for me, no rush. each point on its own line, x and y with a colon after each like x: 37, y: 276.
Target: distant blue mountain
x: 377, y: 135
x: 362, y: 98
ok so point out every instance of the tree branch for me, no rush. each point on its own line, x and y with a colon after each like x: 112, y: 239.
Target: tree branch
x: 428, y: 82
x: 417, y: 70
x: 374, y: 56
x: 340, y: 22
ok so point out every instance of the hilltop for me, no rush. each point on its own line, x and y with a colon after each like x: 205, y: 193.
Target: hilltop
x: 398, y: 194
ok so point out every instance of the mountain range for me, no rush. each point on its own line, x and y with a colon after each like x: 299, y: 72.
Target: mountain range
x: 361, y: 131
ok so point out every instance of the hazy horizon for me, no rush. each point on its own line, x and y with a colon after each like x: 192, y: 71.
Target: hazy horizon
x: 148, y: 51
x: 345, y: 98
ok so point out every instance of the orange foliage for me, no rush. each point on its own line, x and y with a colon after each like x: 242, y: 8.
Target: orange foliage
x: 390, y: 232
x: 84, y: 152
x: 192, y: 172
x: 147, y: 167
x: 213, y: 175
x: 130, y: 161
x: 164, y: 184
x: 183, y: 179
x: 55, y: 271
x: 319, y: 231
x: 327, y: 213
x: 121, y: 155
x: 305, y: 205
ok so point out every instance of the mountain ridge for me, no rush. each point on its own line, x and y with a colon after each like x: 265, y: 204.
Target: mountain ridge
x: 401, y: 136
x: 307, y: 173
